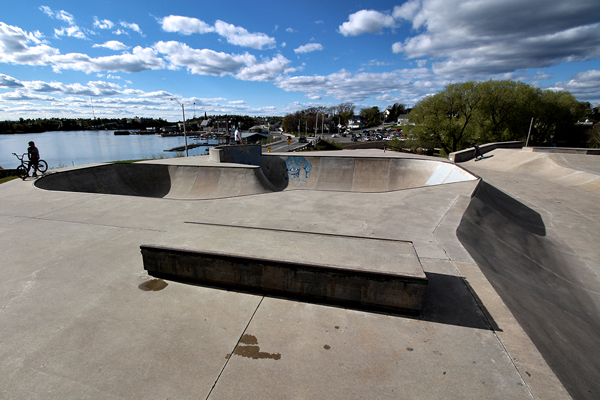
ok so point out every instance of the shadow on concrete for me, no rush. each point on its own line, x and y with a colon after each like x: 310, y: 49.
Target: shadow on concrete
x: 147, y: 180
x: 448, y: 301
x: 540, y: 280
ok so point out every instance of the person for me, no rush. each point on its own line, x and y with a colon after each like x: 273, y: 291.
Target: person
x: 476, y: 151
x: 34, y: 157
x: 238, y: 137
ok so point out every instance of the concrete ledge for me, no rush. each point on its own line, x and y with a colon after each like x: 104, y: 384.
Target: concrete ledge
x: 247, y: 154
x: 377, y: 274
x: 565, y: 150
x: 467, y: 154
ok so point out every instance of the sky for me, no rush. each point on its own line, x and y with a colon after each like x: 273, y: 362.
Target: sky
x: 122, y: 59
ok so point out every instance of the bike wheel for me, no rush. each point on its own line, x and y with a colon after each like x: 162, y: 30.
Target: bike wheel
x: 21, y: 171
x: 42, y: 166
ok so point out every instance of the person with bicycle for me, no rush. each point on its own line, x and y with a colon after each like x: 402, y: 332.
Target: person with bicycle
x: 34, y: 158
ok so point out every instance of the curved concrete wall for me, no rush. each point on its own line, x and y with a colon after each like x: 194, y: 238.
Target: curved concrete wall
x: 278, y: 173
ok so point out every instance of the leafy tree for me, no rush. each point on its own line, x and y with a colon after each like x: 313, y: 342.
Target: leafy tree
x: 371, y: 115
x: 444, y: 119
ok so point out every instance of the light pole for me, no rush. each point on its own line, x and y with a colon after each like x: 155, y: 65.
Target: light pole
x: 184, y: 131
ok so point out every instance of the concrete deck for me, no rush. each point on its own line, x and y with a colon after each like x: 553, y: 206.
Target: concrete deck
x: 80, y: 318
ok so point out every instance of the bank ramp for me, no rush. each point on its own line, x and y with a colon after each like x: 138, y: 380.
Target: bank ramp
x: 276, y: 173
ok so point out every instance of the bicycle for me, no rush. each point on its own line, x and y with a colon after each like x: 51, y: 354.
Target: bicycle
x: 22, y: 169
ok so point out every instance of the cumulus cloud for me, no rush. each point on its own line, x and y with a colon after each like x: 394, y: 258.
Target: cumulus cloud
x: 132, y: 26
x: 60, y: 15
x: 113, y: 45
x: 241, y: 37
x: 345, y: 86
x: 140, y: 59
x: 201, y: 61
x: 104, y: 24
x: 264, y: 71
x: 233, y: 34
x: 209, y: 62
x: 307, y: 48
x: 482, y: 37
x: 72, y: 30
x: 20, y: 47
x: 366, y: 21
x: 584, y: 85
x: 9, y: 82
x: 185, y: 25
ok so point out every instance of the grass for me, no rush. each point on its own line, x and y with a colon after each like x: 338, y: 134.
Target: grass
x: 7, y: 179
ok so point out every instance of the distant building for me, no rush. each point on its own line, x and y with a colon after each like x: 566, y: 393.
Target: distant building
x: 356, y: 122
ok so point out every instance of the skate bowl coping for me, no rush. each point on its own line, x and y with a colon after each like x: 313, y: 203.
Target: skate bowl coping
x: 277, y: 173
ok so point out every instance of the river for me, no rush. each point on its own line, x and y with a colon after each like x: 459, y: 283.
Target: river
x: 69, y: 148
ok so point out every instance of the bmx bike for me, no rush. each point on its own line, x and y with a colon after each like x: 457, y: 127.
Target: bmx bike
x: 42, y: 166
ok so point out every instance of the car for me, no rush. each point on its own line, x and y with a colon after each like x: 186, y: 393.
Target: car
x: 302, y: 139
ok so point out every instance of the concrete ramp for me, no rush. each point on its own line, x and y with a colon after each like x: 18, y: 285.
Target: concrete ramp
x: 294, y: 172
x: 359, y: 174
x: 161, y: 181
x: 378, y: 274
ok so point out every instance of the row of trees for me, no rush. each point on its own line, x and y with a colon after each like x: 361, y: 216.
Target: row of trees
x: 494, y: 111
x: 321, y: 119
x: 67, y: 124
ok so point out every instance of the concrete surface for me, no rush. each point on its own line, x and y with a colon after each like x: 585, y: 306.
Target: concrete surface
x: 533, y: 229
x: 276, y: 172
x: 376, y: 274
x: 79, y: 317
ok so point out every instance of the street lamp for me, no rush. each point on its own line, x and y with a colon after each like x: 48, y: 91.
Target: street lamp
x: 184, y: 131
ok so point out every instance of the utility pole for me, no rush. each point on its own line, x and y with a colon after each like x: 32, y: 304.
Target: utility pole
x: 184, y: 131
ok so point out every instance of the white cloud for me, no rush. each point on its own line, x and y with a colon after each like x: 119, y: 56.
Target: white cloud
x: 20, y: 47
x: 132, y: 26
x: 72, y: 30
x: 483, y: 37
x: 233, y: 34
x: 104, y: 24
x: 113, y: 45
x: 366, y: 21
x: 264, y: 71
x: 241, y: 37
x: 307, y: 48
x: 202, y: 62
x: 185, y: 25
x: 407, y: 10
x: 584, y: 85
x: 209, y: 62
x: 345, y: 86
x: 141, y: 59
x: 9, y: 82
x: 60, y: 15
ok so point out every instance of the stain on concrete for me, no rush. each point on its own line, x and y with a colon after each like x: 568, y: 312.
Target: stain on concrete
x: 153, y: 285
x: 248, y: 347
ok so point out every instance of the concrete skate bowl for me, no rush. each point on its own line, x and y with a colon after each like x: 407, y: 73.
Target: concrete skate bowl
x: 541, y: 280
x: 277, y: 173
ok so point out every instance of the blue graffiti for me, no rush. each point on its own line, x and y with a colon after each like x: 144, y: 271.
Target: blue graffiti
x: 298, y: 169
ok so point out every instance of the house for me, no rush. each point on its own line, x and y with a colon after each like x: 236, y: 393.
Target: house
x: 356, y: 122
x: 205, y: 124
x: 402, y: 119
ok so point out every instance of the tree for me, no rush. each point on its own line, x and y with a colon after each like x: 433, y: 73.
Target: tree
x: 371, y: 115
x: 505, y: 110
x: 444, y: 119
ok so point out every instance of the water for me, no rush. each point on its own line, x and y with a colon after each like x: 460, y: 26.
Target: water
x: 68, y: 148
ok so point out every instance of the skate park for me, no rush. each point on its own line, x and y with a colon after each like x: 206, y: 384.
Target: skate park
x: 505, y: 248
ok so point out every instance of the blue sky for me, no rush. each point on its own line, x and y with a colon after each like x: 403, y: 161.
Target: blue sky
x: 261, y: 58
